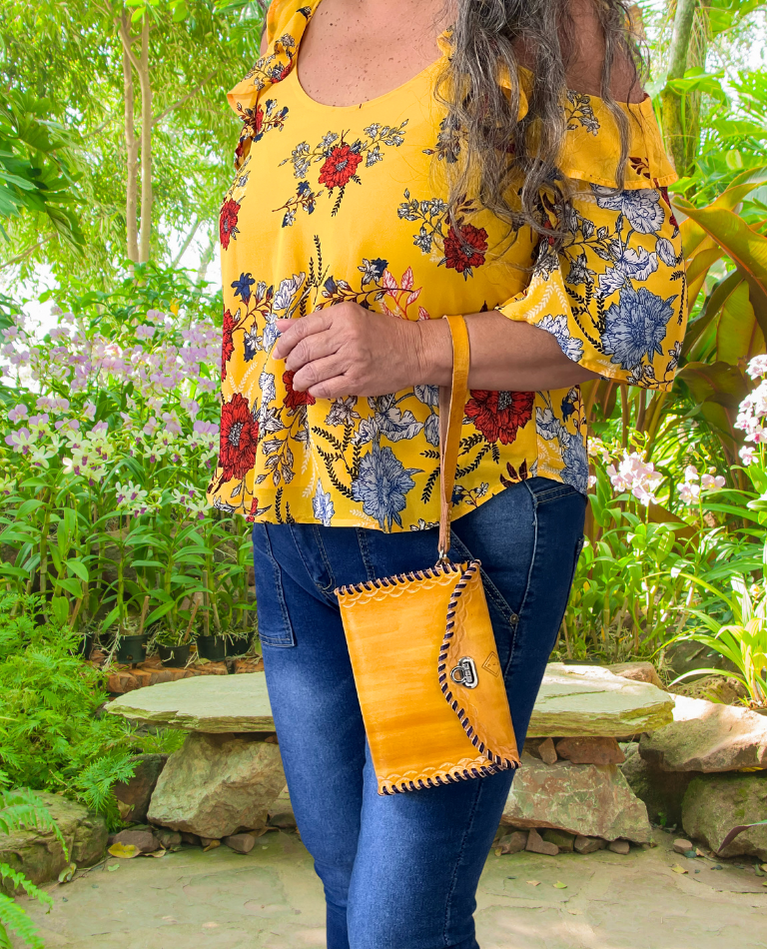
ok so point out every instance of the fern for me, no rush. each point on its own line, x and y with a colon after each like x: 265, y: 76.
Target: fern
x: 12, y: 916
x: 53, y: 735
x: 21, y: 809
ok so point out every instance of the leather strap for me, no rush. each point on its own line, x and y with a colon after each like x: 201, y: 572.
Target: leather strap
x: 451, y: 418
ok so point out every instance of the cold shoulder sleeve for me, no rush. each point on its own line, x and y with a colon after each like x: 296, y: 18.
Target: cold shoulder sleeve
x: 614, y: 294
x: 285, y: 24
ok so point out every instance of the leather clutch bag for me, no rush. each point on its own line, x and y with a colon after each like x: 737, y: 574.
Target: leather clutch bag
x: 423, y: 652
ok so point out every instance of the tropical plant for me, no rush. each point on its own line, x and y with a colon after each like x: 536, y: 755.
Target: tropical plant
x: 37, y: 165
x: 101, y: 502
x: 742, y: 641
x: 144, y: 84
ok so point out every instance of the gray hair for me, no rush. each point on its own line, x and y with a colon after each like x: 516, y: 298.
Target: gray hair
x: 490, y: 151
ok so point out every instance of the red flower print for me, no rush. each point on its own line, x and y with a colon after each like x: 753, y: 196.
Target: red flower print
x: 294, y: 399
x: 466, y: 249
x: 251, y: 516
x: 258, y: 120
x: 672, y: 219
x: 239, y: 438
x: 227, y: 224
x: 227, y: 342
x: 499, y: 415
x: 339, y: 167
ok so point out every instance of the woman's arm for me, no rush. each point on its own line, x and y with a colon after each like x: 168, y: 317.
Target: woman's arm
x: 347, y: 350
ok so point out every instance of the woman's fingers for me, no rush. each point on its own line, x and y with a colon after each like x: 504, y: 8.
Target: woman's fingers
x: 292, y: 332
x: 336, y: 388
x: 313, y: 377
x: 316, y: 346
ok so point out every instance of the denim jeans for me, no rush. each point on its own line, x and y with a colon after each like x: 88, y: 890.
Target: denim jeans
x: 401, y: 871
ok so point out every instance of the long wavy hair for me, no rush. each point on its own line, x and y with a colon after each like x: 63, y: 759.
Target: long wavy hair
x: 501, y: 152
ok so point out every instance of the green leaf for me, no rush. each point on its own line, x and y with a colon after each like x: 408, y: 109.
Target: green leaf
x: 70, y: 585
x: 159, y: 612
x: 738, y: 335
x: 739, y: 241
x: 79, y: 569
x: 60, y: 609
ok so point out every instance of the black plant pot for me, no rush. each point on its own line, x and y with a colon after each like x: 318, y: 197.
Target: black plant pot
x: 84, y: 647
x: 132, y: 648
x: 216, y: 648
x: 174, y: 655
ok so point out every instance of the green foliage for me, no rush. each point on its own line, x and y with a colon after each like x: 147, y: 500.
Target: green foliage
x: 37, y: 172
x: 742, y: 639
x: 71, y: 56
x: 52, y: 733
x: 22, y: 809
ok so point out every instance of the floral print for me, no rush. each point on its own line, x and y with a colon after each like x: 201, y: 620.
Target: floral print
x: 499, y: 415
x: 617, y: 290
x: 340, y: 162
x: 331, y: 206
x: 463, y: 249
x: 228, y: 222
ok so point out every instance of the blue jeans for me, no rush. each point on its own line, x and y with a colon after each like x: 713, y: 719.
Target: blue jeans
x: 401, y: 872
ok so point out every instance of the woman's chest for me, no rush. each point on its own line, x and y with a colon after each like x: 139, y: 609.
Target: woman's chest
x: 352, y: 203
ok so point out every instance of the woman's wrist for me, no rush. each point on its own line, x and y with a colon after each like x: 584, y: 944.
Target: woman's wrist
x: 433, y: 353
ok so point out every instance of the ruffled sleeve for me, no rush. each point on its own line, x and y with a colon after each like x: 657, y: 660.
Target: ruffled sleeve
x: 285, y: 25
x: 614, y: 295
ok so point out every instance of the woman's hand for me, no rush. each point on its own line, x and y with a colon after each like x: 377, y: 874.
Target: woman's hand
x: 348, y: 350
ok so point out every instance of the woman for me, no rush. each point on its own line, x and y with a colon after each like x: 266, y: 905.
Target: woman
x: 400, y: 161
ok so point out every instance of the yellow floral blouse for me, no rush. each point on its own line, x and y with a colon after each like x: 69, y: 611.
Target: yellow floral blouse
x: 332, y: 204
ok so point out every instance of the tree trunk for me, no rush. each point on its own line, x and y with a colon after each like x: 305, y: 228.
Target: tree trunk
x: 187, y: 241
x: 131, y: 144
x: 680, y: 113
x: 146, y: 145
x: 207, y: 257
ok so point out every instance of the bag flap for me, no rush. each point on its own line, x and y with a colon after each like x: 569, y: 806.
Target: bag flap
x: 470, y: 674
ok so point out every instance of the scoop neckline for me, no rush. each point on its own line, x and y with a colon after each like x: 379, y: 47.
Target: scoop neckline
x: 364, y: 103
x: 442, y: 41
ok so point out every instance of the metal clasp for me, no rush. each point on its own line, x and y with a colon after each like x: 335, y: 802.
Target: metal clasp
x: 465, y: 673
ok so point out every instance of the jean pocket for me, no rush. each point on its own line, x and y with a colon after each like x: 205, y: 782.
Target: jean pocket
x: 274, y: 626
x: 492, y: 593
x: 503, y: 616
x: 546, y: 489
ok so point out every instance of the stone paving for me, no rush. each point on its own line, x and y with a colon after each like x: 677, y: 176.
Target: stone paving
x: 271, y: 899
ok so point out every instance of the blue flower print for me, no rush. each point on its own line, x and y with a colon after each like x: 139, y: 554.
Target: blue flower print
x: 304, y: 191
x: 389, y: 421
x: 579, y: 272
x: 242, y: 287
x: 372, y: 270
x: 641, y: 208
x: 666, y: 252
x: 630, y: 264
x: 557, y: 326
x: 635, y: 326
x: 576, y: 459
x: 322, y: 506
x: 382, y: 485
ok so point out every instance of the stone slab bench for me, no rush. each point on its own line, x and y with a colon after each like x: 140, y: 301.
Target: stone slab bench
x: 573, y: 701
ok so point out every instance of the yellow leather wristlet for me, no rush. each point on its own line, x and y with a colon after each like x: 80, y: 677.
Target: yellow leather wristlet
x: 452, y: 403
x: 423, y: 650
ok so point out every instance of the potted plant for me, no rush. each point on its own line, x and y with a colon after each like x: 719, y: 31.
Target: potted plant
x: 173, y: 644
x: 219, y: 646
x: 131, y: 647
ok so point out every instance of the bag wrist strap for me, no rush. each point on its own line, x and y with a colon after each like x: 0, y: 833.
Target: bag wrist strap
x: 451, y: 419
